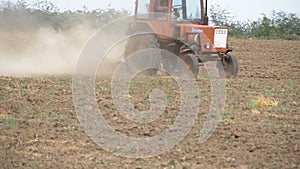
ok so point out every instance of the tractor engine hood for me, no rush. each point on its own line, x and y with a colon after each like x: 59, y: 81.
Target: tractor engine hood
x: 210, y: 38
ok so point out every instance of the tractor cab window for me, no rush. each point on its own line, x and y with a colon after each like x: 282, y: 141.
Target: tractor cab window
x: 193, y: 9
x: 186, y: 10
x: 143, y: 7
x: 161, y: 6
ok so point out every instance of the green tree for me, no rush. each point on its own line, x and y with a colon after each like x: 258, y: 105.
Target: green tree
x: 264, y: 29
x: 220, y: 16
x: 287, y: 23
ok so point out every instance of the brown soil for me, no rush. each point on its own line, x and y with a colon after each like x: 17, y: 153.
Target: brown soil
x: 259, y: 129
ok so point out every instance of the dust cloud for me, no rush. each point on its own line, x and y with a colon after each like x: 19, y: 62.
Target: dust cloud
x: 45, y: 51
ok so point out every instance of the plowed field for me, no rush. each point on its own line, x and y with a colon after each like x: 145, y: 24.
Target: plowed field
x: 260, y: 125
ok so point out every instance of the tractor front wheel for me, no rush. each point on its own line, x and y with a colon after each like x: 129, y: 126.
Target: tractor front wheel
x: 192, y: 62
x: 231, y: 66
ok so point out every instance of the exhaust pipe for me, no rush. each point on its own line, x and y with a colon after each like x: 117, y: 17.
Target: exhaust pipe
x: 205, y: 19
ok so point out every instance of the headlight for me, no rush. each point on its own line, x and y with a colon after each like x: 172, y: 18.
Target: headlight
x: 207, y: 46
x: 197, y: 39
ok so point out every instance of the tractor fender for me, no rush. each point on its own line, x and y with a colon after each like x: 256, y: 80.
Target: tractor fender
x: 185, y: 50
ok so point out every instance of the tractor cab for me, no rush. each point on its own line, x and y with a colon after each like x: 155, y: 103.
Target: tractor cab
x: 174, y: 10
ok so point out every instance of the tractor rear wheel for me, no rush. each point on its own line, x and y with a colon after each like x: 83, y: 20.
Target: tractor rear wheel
x: 192, y: 62
x: 138, y: 43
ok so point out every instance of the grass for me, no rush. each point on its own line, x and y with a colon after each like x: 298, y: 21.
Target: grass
x: 268, y: 93
x: 38, y: 115
x: 104, y: 162
x: 253, y: 104
x: 228, y: 142
x: 52, y: 116
x: 8, y: 123
x: 166, y: 97
x: 33, y: 116
x: 70, y: 128
x: 262, y: 101
x: 65, y: 80
x: 57, y: 116
x: 292, y: 85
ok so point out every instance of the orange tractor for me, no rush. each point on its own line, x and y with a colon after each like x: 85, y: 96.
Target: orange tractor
x: 181, y: 27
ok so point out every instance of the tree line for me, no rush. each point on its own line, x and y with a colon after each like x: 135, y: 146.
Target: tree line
x: 24, y: 16
x: 277, y: 25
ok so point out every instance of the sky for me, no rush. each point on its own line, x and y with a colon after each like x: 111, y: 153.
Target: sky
x: 242, y: 9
